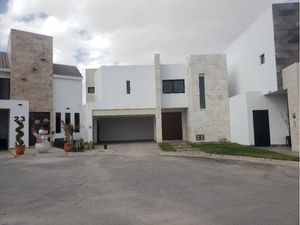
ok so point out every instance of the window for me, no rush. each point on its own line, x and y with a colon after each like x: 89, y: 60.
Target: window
x: 4, y: 88
x: 58, y: 122
x: 77, y: 122
x: 173, y: 86
x: 67, y: 118
x: 91, y: 90
x: 202, y: 91
x: 128, y: 86
x: 262, y: 58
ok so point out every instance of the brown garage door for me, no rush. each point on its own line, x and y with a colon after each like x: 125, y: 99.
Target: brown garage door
x: 171, y: 126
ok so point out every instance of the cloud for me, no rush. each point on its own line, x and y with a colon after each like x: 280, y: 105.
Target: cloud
x: 92, y: 33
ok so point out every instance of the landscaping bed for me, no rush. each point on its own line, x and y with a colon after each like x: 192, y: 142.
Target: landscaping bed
x: 241, y: 150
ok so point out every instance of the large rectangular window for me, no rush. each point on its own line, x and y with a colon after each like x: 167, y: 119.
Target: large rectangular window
x: 58, y: 122
x: 128, y: 86
x: 202, y: 91
x: 4, y: 88
x: 67, y: 118
x: 173, y: 86
x: 77, y: 122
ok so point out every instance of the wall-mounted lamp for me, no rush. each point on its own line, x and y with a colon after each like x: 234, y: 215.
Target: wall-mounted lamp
x: 68, y: 108
x: 20, y: 104
x: 294, y: 115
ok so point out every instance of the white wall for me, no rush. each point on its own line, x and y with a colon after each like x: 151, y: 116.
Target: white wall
x: 239, y: 126
x: 67, y: 93
x: 243, y: 61
x: 174, y: 72
x: 241, y: 117
x: 277, y: 106
x: 110, y: 85
x: 17, y: 108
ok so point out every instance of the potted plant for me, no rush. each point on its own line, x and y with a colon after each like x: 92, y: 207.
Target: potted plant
x: 20, y: 147
x: 68, y: 141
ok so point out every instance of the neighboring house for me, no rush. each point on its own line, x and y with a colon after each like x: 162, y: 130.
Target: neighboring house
x: 158, y: 102
x: 264, y: 97
x: 33, y: 87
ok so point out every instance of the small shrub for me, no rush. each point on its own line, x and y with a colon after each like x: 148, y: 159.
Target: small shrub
x: 167, y: 147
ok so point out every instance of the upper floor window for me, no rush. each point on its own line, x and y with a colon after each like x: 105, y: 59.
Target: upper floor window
x: 91, y: 90
x: 128, y: 86
x: 4, y: 88
x: 173, y: 86
x: 262, y: 58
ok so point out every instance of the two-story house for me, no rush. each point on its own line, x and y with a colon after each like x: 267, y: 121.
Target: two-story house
x: 263, y: 70
x: 33, y: 87
x: 158, y: 102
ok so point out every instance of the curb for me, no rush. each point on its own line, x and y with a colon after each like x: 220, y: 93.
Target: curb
x: 234, y: 158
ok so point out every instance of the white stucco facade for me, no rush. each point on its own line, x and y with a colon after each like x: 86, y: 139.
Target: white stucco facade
x: 245, y: 72
x: 254, y: 80
x: 67, y: 98
x: 110, y: 87
x: 241, y: 117
x: 16, y: 108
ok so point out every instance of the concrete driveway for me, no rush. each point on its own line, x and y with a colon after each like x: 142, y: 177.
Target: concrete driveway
x: 137, y: 189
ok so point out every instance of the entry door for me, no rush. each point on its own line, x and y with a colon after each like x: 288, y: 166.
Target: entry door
x: 171, y: 126
x: 261, y: 128
x: 4, y: 128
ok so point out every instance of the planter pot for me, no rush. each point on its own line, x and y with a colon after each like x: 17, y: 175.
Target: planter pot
x: 20, y: 149
x: 68, y: 147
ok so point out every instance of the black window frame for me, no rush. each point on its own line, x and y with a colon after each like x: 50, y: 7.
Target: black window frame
x: 76, y: 122
x: 202, y: 98
x: 128, y: 90
x: 262, y: 59
x: 58, y: 122
x: 169, y: 86
x: 68, y: 115
x: 89, y: 90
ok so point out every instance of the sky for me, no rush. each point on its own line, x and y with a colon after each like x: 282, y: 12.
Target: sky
x: 92, y: 33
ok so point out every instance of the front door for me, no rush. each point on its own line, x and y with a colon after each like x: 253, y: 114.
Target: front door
x: 171, y: 126
x: 261, y: 128
x: 36, y: 120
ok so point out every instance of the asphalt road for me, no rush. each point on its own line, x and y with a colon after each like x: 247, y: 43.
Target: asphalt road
x: 137, y: 189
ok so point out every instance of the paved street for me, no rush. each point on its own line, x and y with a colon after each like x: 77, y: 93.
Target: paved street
x: 134, y: 188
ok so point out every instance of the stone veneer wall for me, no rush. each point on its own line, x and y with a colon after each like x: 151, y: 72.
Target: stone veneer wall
x: 31, y: 77
x: 213, y: 121
x: 290, y: 76
x: 286, y: 36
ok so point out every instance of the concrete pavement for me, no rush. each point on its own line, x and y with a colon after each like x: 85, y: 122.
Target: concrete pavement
x: 133, y: 188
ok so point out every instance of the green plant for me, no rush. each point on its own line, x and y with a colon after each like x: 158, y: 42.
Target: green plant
x: 69, y: 130
x: 167, y: 147
x: 241, y: 150
x: 19, y: 130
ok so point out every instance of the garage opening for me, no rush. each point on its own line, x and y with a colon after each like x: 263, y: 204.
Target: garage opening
x: 4, y: 128
x: 126, y: 128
